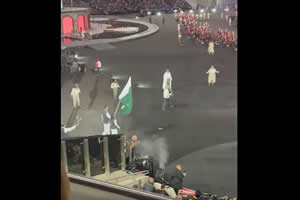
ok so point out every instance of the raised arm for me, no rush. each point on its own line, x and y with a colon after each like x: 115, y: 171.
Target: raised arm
x: 115, y: 122
x: 71, y: 128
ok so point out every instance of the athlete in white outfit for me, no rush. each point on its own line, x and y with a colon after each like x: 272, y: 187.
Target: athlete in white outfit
x: 75, y: 96
x: 167, y: 75
x: 212, y: 75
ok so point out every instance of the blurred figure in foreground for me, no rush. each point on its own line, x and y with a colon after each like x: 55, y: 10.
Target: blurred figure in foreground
x: 65, y: 184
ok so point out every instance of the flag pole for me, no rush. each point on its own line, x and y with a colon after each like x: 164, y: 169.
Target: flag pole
x: 117, y: 108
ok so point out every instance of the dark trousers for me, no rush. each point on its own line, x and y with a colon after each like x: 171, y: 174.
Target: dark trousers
x: 166, y: 104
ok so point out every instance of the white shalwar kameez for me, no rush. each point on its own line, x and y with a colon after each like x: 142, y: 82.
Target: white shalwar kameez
x: 75, y: 96
x: 212, y: 75
x: 167, y: 75
x: 114, y: 131
x: 106, y: 126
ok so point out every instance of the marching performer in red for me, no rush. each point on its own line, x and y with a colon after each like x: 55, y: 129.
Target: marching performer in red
x: 189, y: 30
x: 216, y: 36
x: 228, y: 37
x: 233, y: 38
x: 225, y: 41
x: 208, y: 35
x: 98, y: 65
x: 203, y: 35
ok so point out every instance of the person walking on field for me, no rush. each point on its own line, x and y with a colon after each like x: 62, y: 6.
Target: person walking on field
x: 98, y: 65
x: 166, y: 100
x: 167, y: 75
x: 211, y: 49
x: 212, y: 75
x: 75, y: 96
x: 114, y: 86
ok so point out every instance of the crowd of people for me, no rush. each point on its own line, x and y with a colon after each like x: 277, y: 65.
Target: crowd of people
x: 172, y: 186
x: 107, y: 7
x: 192, y: 27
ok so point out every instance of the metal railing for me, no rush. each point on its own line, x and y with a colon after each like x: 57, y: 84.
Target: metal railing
x: 129, y: 175
x: 121, y: 190
x: 102, y: 147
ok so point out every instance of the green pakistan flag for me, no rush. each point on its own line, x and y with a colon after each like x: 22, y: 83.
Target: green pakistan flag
x: 126, y: 99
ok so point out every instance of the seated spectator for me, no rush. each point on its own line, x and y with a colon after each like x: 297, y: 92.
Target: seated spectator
x: 176, y: 178
x: 178, y: 197
x: 162, y: 190
x: 194, y: 197
x: 213, y: 198
x: 126, y: 6
x: 149, y: 186
x: 169, y: 190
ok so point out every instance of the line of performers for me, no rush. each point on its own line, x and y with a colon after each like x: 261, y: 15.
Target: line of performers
x: 188, y: 26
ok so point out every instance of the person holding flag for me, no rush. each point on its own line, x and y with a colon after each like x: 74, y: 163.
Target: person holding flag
x: 106, y: 119
x: 114, y: 126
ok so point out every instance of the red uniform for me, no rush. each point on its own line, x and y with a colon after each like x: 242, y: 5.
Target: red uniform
x: 226, y: 32
x: 208, y: 35
x: 223, y: 36
x: 225, y: 40
x: 228, y: 37
x: 216, y: 35
x: 189, y: 30
x: 202, y: 34
x: 233, y: 38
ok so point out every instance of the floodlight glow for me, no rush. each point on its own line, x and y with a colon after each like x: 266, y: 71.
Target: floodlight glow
x: 181, y: 12
x: 80, y: 57
x: 76, y: 56
x: 143, y: 85
x: 159, y: 14
x: 213, y: 10
x: 202, y: 10
x: 175, y: 11
x: 119, y: 77
x: 136, y: 17
x: 149, y: 13
x: 226, y: 9
x: 191, y: 11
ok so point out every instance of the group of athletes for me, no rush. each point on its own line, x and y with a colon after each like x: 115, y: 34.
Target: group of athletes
x: 190, y: 25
